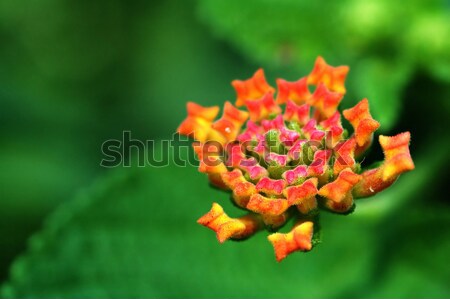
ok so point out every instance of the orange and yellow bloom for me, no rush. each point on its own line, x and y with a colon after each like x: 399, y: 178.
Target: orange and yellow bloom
x: 282, y: 165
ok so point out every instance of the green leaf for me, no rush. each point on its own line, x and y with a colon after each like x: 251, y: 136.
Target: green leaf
x: 178, y: 61
x: 382, y: 82
x: 74, y: 74
x: 293, y: 33
x: 135, y: 235
x: 417, y: 267
x: 427, y: 39
x: 275, y: 32
x: 383, y: 42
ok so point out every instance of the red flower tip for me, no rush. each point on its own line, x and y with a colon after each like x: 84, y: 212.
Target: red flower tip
x: 254, y: 170
x: 311, y: 132
x: 333, y: 126
x: 337, y: 190
x: 270, y: 186
x: 262, y: 108
x: 295, y: 152
x: 276, y: 159
x: 276, y: 123
x: 332, y: 77
x: 299, y: 114
x: 267, y: 206
x: 297, y: 91
x: 298, y: 239
x: 252, y: 88
x: 325, y: 101
x: 320, y: 163
x: 298, y: 194
x: 294, y: 176
x: 362, y: 122
x: 225, y: 227
x: 252, y: 131
x: 344, y: 153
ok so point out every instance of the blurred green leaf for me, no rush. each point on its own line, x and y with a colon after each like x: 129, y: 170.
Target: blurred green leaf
x: 275, y: 32
x: 295, y: 32
x: 182, y: 64
x: 134, y: 235
x: 383, y: 42
x: 52, y: 33
x: 74, y: 74
x: 427, y: 42
x: 382, y: 82
x: 34, y: 181
x: 417, y: 266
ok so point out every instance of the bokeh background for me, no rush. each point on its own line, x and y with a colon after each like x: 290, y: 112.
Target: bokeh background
x: 76, y: 73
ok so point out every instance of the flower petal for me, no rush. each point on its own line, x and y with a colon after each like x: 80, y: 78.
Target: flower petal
x: 332, y: 77
x: 270, y: 186
x: 225, y: 227
x: 231, y: 122
x: 297, y: 113
x: 297, y: 194
x: 296, y: 91
x: 262, y: 108
x: 397, y: 157
x: 198, y: 122
x: 251, y: 89
x: 265, y: 205
x: 337, y: 190
x: 333, y: 127
x: 362, y: 122
x: 298, y: 239
x: 325, y: 101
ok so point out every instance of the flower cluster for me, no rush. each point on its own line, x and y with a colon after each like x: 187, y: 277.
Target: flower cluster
x: 282, y: 165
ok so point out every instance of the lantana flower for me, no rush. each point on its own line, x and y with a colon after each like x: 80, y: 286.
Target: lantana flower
x: 288, y: 163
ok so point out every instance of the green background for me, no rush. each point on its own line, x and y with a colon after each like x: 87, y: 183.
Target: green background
x: 74, y: 74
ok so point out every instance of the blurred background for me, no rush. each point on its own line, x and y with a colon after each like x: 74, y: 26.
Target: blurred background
x: 74, y: 74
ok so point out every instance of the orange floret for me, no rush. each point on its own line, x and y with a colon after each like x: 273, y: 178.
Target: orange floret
x: 198, y: 122
x: 298, y: 239
x: 297, y: 91
x: 362, y: 122
x: 268, y: 206
x: 231, y: 122
x: 252, y: 88
x: 325, y: 101
x: 262, y: 108
x: 225, y: 227
x: 397, y: 156
x: 339, y: 188
x: 332, y: 77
